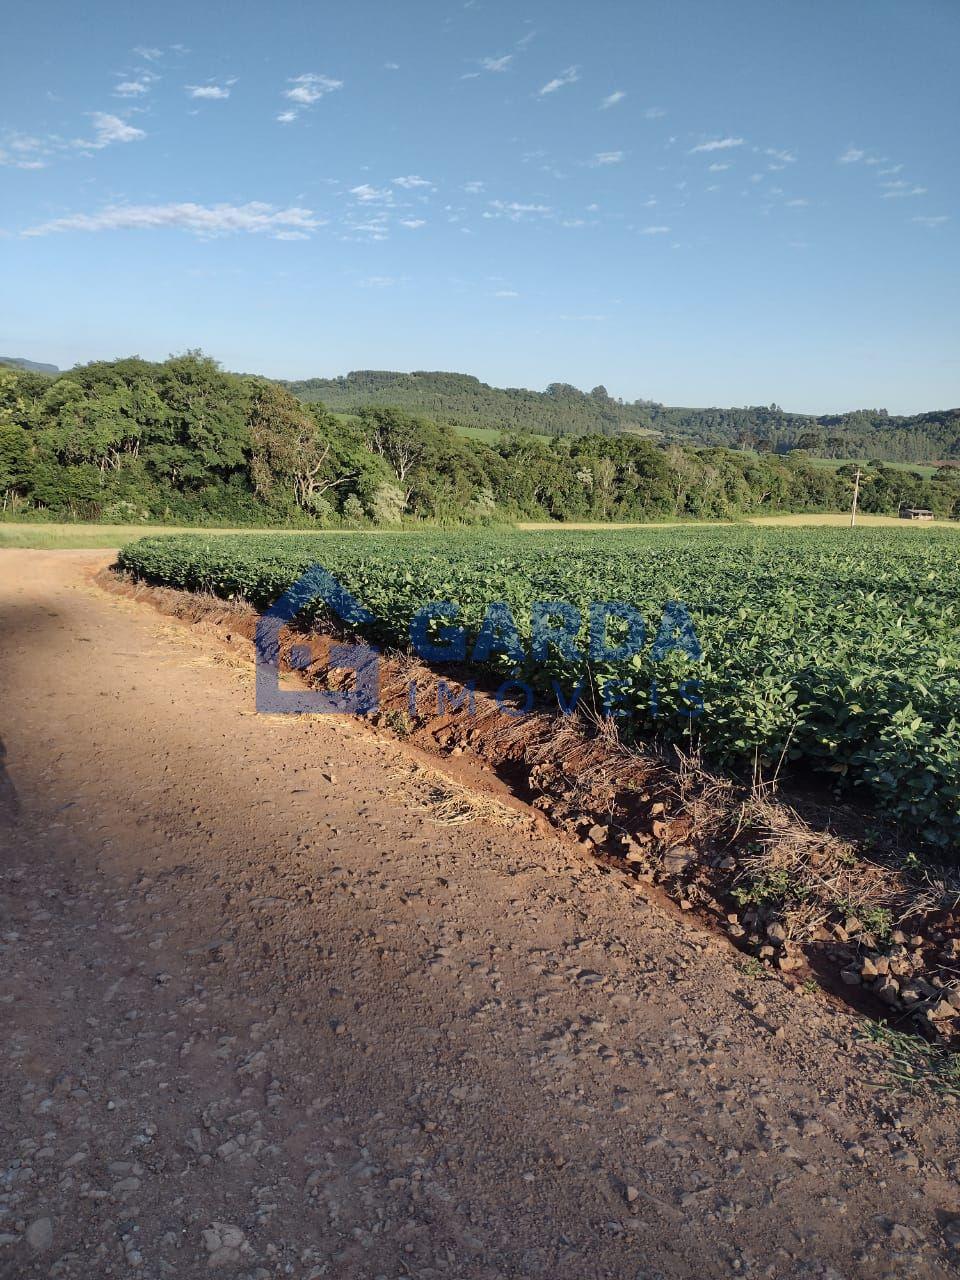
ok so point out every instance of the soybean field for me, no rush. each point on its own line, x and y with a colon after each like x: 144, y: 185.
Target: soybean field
x: 831, y: 651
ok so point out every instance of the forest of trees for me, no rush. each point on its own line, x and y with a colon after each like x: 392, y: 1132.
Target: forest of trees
x: 184, y: 441
x: 463, y: 401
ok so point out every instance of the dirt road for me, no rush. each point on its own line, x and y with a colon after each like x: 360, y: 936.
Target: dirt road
x: 268, y: 1011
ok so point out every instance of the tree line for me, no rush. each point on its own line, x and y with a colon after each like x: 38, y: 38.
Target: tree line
x: 184, y: 441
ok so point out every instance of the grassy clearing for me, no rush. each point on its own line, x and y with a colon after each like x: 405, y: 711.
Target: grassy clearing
x: 831, y: 521
x: 486, y: 435
x: 67, y: 536
x: 55, y: 537
x: 925, y: 469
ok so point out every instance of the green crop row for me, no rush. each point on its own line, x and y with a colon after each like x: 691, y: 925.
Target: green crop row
x: 832, y: 651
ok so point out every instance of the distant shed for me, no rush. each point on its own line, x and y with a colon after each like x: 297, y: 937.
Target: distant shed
x: 915, y: 513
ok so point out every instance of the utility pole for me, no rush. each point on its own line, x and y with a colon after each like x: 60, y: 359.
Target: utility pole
x: 856, y: 498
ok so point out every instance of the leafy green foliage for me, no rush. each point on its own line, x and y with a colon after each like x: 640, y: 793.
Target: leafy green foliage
x: 183, y: 441
x: 834, y: 652
x: 466, y: 402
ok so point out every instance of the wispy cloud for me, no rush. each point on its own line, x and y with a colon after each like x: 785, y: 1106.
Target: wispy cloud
x: 570, y: 76
x: 904, y: 191
x: 25, y: 151
x: 474, y: 188
x: 497, y: 64
x: 206, y: 221
x: 367, y: 194
x: 516, y: 211
x: 931, y: 220
x: 717, y: 168
x: 656, y: 231
x: 308, y: 89
x: 411, y: 181
x: 851, y: 156
x: 377, y: 282
x: 607, y: 157
x: 134, y: 88
x: 412, y: 223
x: 612, y: 99
x: 213, y: 92
x: 305, y: 91
x: 109, y: 129
x: 779, y: 158
x: 654, y: 113
x: 716, y: 144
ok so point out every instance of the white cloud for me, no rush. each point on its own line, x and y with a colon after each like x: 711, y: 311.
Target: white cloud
x: 514, y: 210
x: 411, y: 181
x: 109, y: 129
x: 607, y: 157
x: 905, y: 191
x: 310, y: 88
x: 717, y: 168
x: 151, y: 55
x: 412, y: 223
x: 506, y: 293
x: 215, y: 92
x: 497, y: 64
x: 851, y: 156
x: 201, y: 220
x: 20, y: 162
x: 717, y: 144
x: 799, y: 203
x: 570, y: 76
x: 781, y: 156
x: 307, y: 89
x: 473, y: 188
x: 612, y: 99
x: 133, y: 88
x: 24, y: 151
x: 656, y: 231
x: 372, y: 195
x: 931, y: 220
x: 654, y: 113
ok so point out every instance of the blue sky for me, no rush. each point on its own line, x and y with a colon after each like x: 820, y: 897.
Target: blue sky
x: 696, y: 202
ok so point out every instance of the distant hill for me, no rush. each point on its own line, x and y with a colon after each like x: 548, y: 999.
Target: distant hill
x: 17, y: 362
x: 464, y: 401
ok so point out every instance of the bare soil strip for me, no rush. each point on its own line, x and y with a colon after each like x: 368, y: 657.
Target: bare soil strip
x: 794, y: 894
